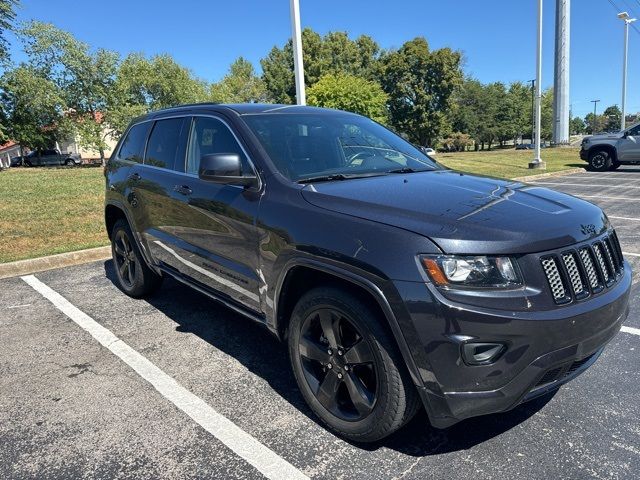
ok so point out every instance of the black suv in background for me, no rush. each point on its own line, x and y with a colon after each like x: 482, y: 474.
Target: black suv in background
x: 395, y: 282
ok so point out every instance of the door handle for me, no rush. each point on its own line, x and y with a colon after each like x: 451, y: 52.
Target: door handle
x: 183, y: 189
x: 135, y: 177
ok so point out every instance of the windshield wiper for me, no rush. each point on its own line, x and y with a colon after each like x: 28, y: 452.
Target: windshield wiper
x: 404, y: 170
x: 339, y: 176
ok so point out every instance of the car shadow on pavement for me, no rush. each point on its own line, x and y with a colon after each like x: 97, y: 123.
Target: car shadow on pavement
x: 263, y: 355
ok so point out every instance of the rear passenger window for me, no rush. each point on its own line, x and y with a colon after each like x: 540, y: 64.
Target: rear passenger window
x: 210, y: 135
x: 164, y: 149
x: 132, y: 147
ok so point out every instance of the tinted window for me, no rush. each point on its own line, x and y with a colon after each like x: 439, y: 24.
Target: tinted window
x: 163, y: 148
x: 210, y: 135
x: 308, y: 145
x: 132, y: 147
x: 635, y: 131
x: 50, y: 152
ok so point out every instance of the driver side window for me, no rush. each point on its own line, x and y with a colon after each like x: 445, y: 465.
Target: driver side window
x: 635, y: 131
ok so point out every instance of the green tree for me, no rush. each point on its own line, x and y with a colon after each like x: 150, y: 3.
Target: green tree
x: 351, y: 93
x: 144, y: 84
x: 31, y: 106
x: 612, y: 118
x: 85, y: 78
x: 7, y: 16
x: 240, y: 85
x: 332, y: 54
x: 576, y: 126
x: 420, y: 84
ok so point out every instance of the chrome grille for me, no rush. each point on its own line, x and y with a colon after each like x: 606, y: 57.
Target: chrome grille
x: 553, y: 277
x: 574, y: 274
x: 578, y: 273
x: 589, y: 267
x: 597, y: 248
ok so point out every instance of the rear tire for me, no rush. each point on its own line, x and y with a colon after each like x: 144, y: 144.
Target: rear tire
x: 599, y: 161
x: 348, y: 367
x: 135, y: 278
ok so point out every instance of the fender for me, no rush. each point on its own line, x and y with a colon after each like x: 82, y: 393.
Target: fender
x: 367, y: 285
x: 136, y: 235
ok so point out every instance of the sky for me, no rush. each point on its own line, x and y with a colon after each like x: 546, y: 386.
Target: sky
x: 497, y: 37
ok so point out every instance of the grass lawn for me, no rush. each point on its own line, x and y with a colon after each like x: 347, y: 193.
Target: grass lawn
x: 54, y: 210
x: 511, y: 163
x: 50, y: 210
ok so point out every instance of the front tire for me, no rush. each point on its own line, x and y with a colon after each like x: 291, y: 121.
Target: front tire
x: 70, y: 163
x: 348, y: 367
x: 599, y: 161
x: 135, y: 278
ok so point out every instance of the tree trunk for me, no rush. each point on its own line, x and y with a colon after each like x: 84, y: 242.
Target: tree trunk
x: 102, y: 160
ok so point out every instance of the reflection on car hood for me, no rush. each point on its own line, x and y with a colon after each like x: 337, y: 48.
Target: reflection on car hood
x: 465, y: 213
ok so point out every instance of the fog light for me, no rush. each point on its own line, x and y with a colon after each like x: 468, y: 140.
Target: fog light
x: 482, y: 353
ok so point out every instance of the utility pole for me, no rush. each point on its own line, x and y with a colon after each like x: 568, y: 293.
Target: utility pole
x: 298, y: 66
x: 537, y: 162
x: 627, y: 21
x: 533, y: 116
x: 561, y: 115
x: 595, y: 117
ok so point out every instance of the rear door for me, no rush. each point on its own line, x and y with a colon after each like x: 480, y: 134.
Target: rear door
x: 216, y: 241
x: 157, y: 187
x: 629, y: 146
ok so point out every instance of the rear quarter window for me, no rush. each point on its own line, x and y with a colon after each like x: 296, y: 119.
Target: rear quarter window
x: 132, y: 148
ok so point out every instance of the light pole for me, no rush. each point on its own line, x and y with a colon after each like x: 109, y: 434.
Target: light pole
x: 537, y: 161
x: 627, y: 20
x: 298, y: 66
x: 533, y: 115
x: 595, y: 117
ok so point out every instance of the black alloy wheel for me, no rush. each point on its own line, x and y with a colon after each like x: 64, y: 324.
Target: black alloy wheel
x: 134, y: 276
x: 338, y: 364
x: 347, y: 364
x: 125, y: 259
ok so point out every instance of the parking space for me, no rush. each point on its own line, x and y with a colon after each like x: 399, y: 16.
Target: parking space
x: 71, y: 406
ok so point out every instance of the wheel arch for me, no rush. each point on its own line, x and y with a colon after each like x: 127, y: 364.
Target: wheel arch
x: 610, y: 149
x: 113, y: 211
x: 300, y: 275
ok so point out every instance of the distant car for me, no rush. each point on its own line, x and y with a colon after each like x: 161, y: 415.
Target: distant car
x: 608, y: 151
x: 16, y: 161
x: 524, y: 146
x: 40, y: 158
x: 428, y: 150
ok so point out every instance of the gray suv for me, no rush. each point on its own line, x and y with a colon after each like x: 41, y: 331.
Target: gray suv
x: 396, y: 283
x: 607, y: 151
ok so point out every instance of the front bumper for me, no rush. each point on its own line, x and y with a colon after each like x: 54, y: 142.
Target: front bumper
x: 584, y: 154
x: 544, y: 348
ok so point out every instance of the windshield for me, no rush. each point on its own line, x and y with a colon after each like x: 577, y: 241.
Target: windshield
x: 338, y: 146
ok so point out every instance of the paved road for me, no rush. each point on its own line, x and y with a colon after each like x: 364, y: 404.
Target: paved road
x: 72, y: 408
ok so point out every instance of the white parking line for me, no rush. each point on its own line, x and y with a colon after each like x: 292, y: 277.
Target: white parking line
x: 584, y: 185
x: 244, y: 445
x: 631, y: 254
x: 631, y: 330
x: 625, y: 218
x: 606, y: 198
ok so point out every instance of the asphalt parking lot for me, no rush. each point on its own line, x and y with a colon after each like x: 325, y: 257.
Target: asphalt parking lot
x: 204, y: 393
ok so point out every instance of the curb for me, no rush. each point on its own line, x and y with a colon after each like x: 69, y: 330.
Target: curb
x: 560, y: 173
x: 33, y: 265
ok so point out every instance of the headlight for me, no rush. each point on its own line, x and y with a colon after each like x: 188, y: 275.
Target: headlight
x: 472, y: 271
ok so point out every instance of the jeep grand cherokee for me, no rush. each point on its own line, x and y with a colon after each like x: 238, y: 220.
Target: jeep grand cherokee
x: 395, y: 282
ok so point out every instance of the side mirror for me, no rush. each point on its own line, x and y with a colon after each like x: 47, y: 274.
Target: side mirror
x: 224, y: 168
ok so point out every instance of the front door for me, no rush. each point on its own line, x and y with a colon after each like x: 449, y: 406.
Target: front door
x: 217, y: 243
x: 629, y: 146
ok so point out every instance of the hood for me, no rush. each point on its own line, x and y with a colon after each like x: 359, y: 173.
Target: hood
x: 603, y: 136
x: 465, y: 214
